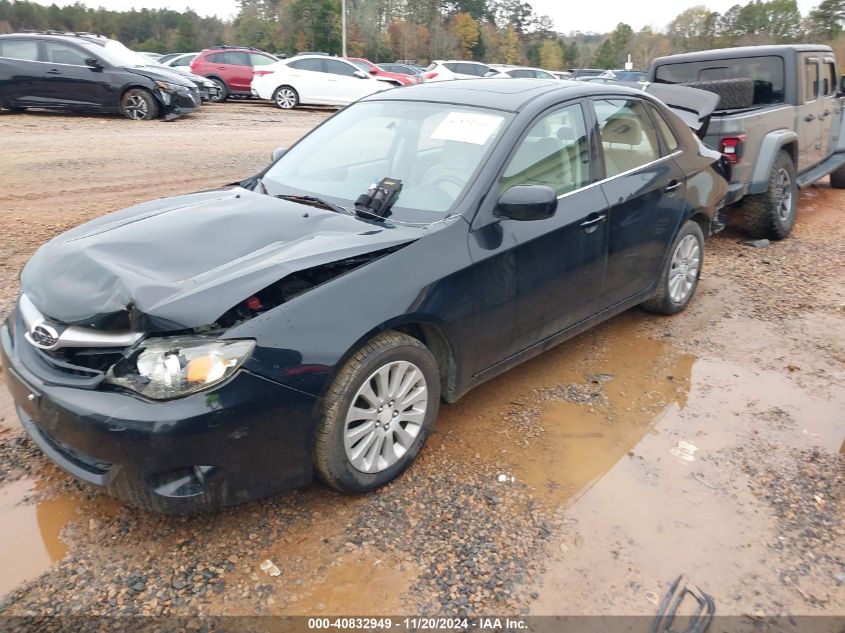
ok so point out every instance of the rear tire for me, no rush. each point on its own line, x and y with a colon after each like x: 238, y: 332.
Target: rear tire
x: 377, y: 413
x: 138, y: 104
x: 286, y: 97
x: 679, y: 278
x: 837, y: 178
x: 771, y: 214
x: 223, y: 90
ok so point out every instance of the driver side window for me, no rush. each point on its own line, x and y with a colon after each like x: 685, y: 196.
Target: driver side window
x: 555, y: 153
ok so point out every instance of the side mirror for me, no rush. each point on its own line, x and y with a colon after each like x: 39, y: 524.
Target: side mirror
x: 373, y: 71
x: 278, y: 153
x: 527, y: 202
x: 94, y: 63
x: 360, y: 74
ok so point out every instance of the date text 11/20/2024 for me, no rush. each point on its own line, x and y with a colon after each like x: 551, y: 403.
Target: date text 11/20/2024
x: 419, y: 623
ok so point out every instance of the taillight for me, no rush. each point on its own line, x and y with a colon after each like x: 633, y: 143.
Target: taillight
x: 732, y: 146
x: 430, y: 75
x: 261, y: 73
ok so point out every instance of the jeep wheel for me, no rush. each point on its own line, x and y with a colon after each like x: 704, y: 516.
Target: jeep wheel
x: 377, y: 413
x: 771, y: 214
x: 837, y: 178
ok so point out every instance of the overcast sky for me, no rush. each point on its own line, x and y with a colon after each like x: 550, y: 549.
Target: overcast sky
x: 584, y: 15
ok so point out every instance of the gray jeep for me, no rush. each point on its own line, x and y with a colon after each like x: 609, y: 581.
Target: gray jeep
x: 778, y: 120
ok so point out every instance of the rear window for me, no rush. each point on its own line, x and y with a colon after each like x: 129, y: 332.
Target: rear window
x: 19, y: 49
x: 766, y: 72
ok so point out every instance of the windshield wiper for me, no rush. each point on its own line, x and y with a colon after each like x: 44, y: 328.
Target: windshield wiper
x: 313, y: 201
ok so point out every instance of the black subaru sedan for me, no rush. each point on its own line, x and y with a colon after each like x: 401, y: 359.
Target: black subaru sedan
x: 84, y: 72
x: 211, y: 348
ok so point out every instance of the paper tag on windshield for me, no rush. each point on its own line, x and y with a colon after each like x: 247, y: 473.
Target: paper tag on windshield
x: 467, y: 127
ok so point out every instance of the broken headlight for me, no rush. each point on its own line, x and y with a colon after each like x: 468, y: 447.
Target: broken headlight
x: 167, y: 368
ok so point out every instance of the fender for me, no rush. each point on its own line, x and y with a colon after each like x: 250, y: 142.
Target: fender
x: 769, y: 148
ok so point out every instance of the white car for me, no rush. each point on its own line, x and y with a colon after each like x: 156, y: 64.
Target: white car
x: 314, y: 80
x: 520, y: 72
x: 444, y: 70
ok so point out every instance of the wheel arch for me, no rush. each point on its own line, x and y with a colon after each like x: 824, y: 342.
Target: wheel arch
x: 772, y: 144
x: 426, y: 332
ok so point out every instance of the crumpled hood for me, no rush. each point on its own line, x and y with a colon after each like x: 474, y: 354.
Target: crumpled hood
x: 182, y: 262
x: 162, y: 74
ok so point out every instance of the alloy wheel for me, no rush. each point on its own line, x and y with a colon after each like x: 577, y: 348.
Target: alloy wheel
x: 136, y: 107
x: 385, y: 417
x: 683, y: 273
x: 286, y: 98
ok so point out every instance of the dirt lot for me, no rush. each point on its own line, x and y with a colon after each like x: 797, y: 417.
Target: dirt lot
x: 709, y: 444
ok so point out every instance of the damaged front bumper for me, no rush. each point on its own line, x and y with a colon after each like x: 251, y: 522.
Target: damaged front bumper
x: 178, y: 103
x: 245, y: 439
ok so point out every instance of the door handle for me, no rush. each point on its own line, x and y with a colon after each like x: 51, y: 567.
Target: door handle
x: 586, y: 224
x: 825, y: 113
x: 54, y: 71
x: 673, y: 186
x: 810, y: 117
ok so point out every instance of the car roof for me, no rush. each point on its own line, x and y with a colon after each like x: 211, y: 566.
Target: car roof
x: 510, y: 95
x: 90, y: 38
x: 742, y: 51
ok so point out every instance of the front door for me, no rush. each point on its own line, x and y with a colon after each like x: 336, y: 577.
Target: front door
x: 831, y: 107
x: 557, y: 263
x: 645, y: 188
x: 67, y: 78
x: 342, y: 85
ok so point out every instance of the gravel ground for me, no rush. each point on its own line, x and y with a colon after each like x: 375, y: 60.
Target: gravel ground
x: 461, y: 532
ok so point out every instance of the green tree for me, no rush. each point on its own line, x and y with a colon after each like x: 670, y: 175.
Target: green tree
x: 827, y: 18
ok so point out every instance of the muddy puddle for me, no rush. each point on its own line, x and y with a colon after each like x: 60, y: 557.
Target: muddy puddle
x: 32, y: 530
x: 596, y: 398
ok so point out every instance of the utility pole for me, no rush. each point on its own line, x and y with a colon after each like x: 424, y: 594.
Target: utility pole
x: 343, y: 25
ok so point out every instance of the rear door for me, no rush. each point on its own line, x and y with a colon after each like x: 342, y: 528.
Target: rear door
x: 20, y: 71
x: 239, y: 74
x: 831, y: 107
x: 343, y: 85
x: 646, y: 191
x: 309, y: 80
x: 810, y: 111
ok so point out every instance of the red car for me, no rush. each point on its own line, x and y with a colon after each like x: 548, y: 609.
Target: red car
x: 395, y: 78
x: 231, y: 68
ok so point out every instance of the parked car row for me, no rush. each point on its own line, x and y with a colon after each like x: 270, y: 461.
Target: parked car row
x: 76, y: 71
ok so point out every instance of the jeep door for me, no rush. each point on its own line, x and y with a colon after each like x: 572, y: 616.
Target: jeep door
x: 810, y: 122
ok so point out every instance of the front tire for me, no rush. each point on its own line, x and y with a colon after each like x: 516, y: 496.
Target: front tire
x: 286, y: 97
x: 681, y: 273
x: 771, y: 214
x: 377, y: 413
x: 222, y: 90
x: 139, y: 105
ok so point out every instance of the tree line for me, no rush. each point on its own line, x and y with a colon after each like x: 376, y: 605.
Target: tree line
x: 504, y: 31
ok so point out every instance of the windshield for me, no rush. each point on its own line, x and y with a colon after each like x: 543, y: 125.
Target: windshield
x: 434, y: 149
x: 116, y: 54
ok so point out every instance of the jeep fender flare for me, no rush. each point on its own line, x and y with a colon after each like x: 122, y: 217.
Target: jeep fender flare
x: 772, y: 143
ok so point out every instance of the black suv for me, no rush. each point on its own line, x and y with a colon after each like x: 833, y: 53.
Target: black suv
x: 81, y: 71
